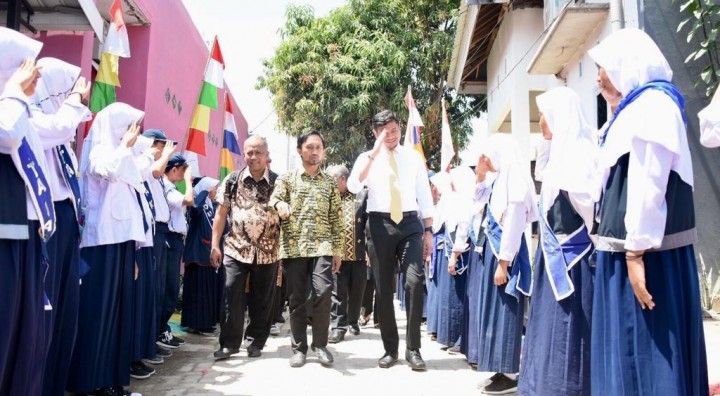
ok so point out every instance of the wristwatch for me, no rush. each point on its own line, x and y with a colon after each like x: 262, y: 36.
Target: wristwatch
x: 428, y: 229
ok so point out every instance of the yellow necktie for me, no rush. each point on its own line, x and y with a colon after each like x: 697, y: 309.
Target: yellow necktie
x: 395, y: 200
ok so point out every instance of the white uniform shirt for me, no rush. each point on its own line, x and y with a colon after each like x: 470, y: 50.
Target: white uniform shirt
x: 54, y: 130
x: 710, y: 125
x: 14, y: 126
x: 412, y: 179
x: 175, y: 199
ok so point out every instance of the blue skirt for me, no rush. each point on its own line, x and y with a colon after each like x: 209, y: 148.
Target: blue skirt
x: 556, y: 357
x: 202, y: 301
x: 62, y: 284
x: 103, y: 350
x: 643, y: 352
x: 433, y: 315
x: 471, y: 308
x: 22, y: 315
x: 500, y: 322
x: 451, y: 294
x: 145, y: 332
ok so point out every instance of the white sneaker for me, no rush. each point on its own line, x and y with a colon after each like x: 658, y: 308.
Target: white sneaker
x: 274, y: 330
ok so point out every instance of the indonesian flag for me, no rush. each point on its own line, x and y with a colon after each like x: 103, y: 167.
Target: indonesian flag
x: 200, y: 121
x: 116, y: 45
x: 412, y: 132
x: 230, y: 140
x: 447, y: 150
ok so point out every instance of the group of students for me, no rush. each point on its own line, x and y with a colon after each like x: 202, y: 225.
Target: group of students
x: 614, y: 300
x: 91, y: 248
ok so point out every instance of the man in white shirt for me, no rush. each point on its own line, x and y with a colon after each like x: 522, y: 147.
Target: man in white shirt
x: 398, y: 196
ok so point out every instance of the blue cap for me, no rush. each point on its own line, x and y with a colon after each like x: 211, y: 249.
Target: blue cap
x: 156, y: 135
x: 175, y: 161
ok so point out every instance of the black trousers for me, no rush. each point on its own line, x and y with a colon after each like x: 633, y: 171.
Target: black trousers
x: 348, y: 292
x: 259, y: 302
x: 369, y: 303
x: 389, y: 244
x: 279, y: 298
x: 309, y: 286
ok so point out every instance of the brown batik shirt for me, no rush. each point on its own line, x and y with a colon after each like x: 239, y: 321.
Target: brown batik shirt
x: 251, y: 238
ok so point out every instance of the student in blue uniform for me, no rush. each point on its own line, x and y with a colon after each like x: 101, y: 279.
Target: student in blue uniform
x: 114, y: 223
x: 201, y: 308
x: 176, y: 170
x: 556, y: 359
x: 57, y: 110
x: 27, y: 221
x: 506, y: 272
x: 431, y: 264
x: 647, y: 330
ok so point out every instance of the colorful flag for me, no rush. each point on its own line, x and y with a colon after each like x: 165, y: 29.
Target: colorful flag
x: 447, y: 150
x: 116, y: 45
x: 208, y: 99
x: 412, y: 132
x: 230, y: 140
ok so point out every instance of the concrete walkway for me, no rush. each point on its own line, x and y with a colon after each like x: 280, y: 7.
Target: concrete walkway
x: 193, y: 371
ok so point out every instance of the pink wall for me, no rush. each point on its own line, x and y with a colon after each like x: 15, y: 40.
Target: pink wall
x: 174, y: 58
x: 162, y: 77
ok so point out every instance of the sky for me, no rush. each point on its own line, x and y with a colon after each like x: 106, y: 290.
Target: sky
x: 248, y: 33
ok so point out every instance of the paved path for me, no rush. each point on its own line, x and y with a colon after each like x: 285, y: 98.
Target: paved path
x: 192, y: 370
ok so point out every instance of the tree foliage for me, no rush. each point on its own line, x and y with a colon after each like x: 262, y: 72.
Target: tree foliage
x: 702, y: 23
x: 334, y: 73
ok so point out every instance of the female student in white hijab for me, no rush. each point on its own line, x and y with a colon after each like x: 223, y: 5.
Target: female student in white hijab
x: 27, y: 221
x: 114, y: 222
x: 56, y: 112
x: 710, y: 122
x: 201, y: 287
x: 506, y: 272
x: 646, y: 282
x: 556, y: 358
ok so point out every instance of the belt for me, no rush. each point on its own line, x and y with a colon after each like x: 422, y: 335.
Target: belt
x: 412, y: 213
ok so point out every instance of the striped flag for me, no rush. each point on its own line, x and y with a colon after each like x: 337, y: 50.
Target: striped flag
x: 200, y: 121
x: 412, y: 132
x: 116, y: 45
x: 447, y: 150
x: 230, y: 141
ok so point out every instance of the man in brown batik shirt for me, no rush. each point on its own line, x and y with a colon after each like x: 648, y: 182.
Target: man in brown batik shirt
x: 251, y: 247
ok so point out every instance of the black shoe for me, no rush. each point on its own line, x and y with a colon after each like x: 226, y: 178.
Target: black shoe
x: 501, y: 386
x: 224, y: 353
x: 163, y: 353
x: 177, y: 339
x: 490, y: 380
x: 454, y: 350
x: 279, y: 319
x: 297, y: 360
x: 336, y: 336
x: 138, y: 371
x: 154, y: 360
x: 388, y: 360
x: 433, y: 336
x: 253, y: 351
x: 324, y: 356
x: 355, y: 329
x: 166, y: 341
x: 111, y: 391
x: 415, y: 360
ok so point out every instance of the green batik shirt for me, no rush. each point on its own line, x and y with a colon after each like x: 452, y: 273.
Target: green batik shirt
x: 314, y: 228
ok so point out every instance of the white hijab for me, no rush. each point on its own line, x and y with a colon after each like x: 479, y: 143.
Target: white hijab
x: 16, y: 47
x: 513, y: 183
x: 57, y: 81
x: 205, y: 184
x: 571, y: 164
x: 631, y: 59
x: 456, y: 200
x: 107, y: 130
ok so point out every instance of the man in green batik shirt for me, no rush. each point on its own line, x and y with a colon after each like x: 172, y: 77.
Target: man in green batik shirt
x: 308, y: 202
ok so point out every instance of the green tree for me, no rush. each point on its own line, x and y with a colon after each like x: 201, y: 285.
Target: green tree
x: 703, y: 22
x: 334, y: 73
